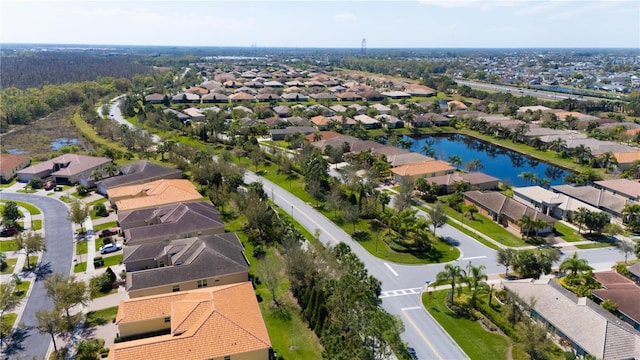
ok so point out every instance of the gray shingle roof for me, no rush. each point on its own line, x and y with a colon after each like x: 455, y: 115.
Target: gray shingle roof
x: 140, y: 171
x: 192, y: 259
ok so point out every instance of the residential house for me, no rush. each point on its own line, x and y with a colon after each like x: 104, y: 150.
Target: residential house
x: 348, y: 96
x: 419, y: 90
x: 360, y: 109
x: 221, y: 322
x: 10, y: 164
x: 153, y: 194
x: 182, y: 117
x: 367, y: 121
x: 294, y: 97
x: 64, y: 169
x: 281, y: 110
x: 390, y: 122
x: 506, y: 211
x: 456, y: 105
x: 396, y: 94
x: 185, y: 98
x: 215, y: 97
x: 281, y: 134
x: 473, y: 180
x: 621, y: 291
x: 321, y: 122
x: 598, y: 198
x: 241, y: 96
x: 630, y: 189
x: 324, y: 96
x: 169, y: 222
x: 586, y: 326
x: 184, y: 264
x: 635, y: 271
x: 626, y: 159
x: 427, y: 169
x: 138, y: 172
x: 156, y: 98
x: 554, y: 204
x: 273, y: 84
x: 382, y: 109
x: 338, y: 108
x: 267, y: 97
x: 371, y: 95
x: 194, y: 114
x: 396, y: 160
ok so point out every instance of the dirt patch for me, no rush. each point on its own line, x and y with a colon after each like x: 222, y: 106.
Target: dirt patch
x: 36, y: 138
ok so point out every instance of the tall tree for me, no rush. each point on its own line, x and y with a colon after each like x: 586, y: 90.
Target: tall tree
x: 455, y: 160
x: 574, y: 266
x: 474, y: 165
x: 580, y: 217
x: 437, y: 216
x: 626, y: 248
x: 11, y: 214
x: 451, y: 274
x: 66, y: 292
x: 78, y: 213
x: 505, y: 257
x: 50, y: 322
x: 31, y: 243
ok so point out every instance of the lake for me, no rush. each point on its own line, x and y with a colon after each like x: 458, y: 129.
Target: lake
x: 504, y: 164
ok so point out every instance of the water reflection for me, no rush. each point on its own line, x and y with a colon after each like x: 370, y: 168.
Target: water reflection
x: 496, y: 161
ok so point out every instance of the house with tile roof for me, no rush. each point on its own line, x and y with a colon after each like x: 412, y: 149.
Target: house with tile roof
x: 184, y: 264
x: 156, y: 98
x: 554, y: 204
x: 64, y: 169
x: 281, y: 134
x: 585, y: 325
x: 169, y: 222
x: 598, y: 198
x: 506, y: 211
x: 630, y: 189
x: 426, y: 169
x: 215, y: 97
x: 621, y: 291
x: 626, y: 159
x: 137, y: 172
x: 10, y: 164
x: 221, y: 322
x: 474, y: 180
x: 153, y: 194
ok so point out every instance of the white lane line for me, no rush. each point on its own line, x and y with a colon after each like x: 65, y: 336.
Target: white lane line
x: 391, y: 269
x: 473, y: 258
x: 411, y: 308
x: 413, y: 324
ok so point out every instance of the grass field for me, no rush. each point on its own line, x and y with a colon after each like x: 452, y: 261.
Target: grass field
x: 107, y: 225
x: 11, y: 265
x: 30, y: 208
x: 36, y: 224
x: 567, y: 233
x: 8, y: 245
x: 101, y: 317
x: 474, y: 340
x: 108, y: 261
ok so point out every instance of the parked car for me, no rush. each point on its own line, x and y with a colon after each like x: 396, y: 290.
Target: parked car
x: 49, y: 185
x: 109, y: 248
x: 6, y: 232
x: 57, y: 188
x: 108, y: 232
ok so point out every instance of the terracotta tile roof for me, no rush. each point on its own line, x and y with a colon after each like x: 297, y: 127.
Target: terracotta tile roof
x: 10, y: 162
x: 320, y: 120
x: 627, y: 157
x: 241, y: 96
x: 503, y: 205
x: 153, y: 194
x: 423, y: 168
x: 205, y: 323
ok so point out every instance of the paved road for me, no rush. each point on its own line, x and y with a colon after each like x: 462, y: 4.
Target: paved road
x: 58, y: 233
x: 547, y: 95
x: 116, y: 114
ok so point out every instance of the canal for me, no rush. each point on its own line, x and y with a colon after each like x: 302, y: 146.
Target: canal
x: 496, y: 161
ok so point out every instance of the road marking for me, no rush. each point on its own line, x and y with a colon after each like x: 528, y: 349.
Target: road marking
x: 404, y: 312
x: 411, y: 308
x: 400, y: 292
x: 391, y: 269
x: 473, y: 258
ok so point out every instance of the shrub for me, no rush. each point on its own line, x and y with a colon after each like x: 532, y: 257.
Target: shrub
x: 107, y: 240
x: 259, y: 252
x: 609, y: 305
x: 360, y: 235
x: 35, y: 183
x: 101, y: 210
x: 497, y: 319
x: 83, y: 190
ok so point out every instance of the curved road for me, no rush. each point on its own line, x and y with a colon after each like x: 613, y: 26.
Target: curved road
x: 58, y: 233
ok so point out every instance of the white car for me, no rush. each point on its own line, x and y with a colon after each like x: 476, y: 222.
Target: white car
x: 109, y: 248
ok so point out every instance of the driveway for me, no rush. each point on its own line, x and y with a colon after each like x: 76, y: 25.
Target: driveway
x: 58, y: 233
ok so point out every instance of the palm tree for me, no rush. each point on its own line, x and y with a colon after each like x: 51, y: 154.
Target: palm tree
x: 96, y: 175
x: 580, y: 217
x: 475, y: 277
x: 317, y: 137
x: 527, y: 176
x: 525, y: 223
x: 580, y: 152
x: 574, y: 266
x: 474, y: 165
x: 111, y: 169
x: 537, y: 224
x: 455, y: 160
x: 631, y: 216
x: 558, y: 145
x: 451, y: 274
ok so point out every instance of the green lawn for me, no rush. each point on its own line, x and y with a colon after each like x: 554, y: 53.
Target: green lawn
x: 594, y: 245
x: 11, y: 264
x: 476, y: 342
x: 30, y: 208
x: 33, y: 261
x: 21, y: 289
x: 8, y: 245
x: 107, y: 225
x: 36, y: 224
x: 108, y: 261
x: 101, y: 317
x: 567, y: 233
x: 9, y: 320
x: 9, y: 184
x: 99, y: 201
x: 81, y: 247
x: 486, y: 226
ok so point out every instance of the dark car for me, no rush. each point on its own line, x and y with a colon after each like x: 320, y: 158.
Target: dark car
x: 6, y: 232
x: 49, y: 185
x: 108, y: 232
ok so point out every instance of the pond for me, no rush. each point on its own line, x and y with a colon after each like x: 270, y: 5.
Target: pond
x: 496, y: 161
x: 60, y: 142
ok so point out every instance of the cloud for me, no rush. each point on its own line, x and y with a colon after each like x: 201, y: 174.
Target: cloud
x: 536, y: 8
x: 345, y: 17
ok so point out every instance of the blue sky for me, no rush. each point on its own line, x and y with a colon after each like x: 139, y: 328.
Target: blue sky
x: 385, y: 24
